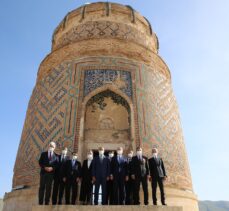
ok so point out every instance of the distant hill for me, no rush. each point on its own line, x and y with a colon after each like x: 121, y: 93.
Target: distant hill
x: 214, y: 205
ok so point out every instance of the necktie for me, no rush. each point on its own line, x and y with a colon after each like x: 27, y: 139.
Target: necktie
x: 119, y: 161
x: 101, y: 158
x: 88, y: 163
x: 50, y: 156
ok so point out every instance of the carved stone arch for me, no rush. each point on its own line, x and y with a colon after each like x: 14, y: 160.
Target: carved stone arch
x: 82, y: 136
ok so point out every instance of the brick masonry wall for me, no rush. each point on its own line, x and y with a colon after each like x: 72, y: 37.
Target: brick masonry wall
x: 120, y: 42
x: 54, y: 114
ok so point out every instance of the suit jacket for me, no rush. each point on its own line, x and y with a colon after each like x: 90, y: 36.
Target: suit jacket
x: 156, y: 167
x: 101, y: 169
x: 87, y: 172
x: 61, y: 167
x: 129, y: 166
x: 119, y: 168
x: 73, y: 171
x: 138, y: 166
x: 44, y: 161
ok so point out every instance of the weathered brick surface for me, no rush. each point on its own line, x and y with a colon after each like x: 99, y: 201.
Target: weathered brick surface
x: 97, y: 48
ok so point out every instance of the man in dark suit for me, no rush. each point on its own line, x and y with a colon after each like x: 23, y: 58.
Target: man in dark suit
x: 119, y: 174
x: 157, y: 176
x: 48, y: 162
x: 110, y: 200
x: 140, y: 174
x: 59, y: 184
x: 129, y: 184
x: 100, y: 175
x: 72, y: 178
x: 86, y: 183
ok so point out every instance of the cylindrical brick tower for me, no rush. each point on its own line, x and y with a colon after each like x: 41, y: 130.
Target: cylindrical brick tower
x: 103, y: 84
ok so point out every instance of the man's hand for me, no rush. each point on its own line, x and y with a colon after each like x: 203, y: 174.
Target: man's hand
x: 48, y: 169
x: 111, y: 177
x: 64, y: 179
x: 127, y: 178
x: 93, y: 180
x: 77, y: 179
x: 133, y: 176
x: 150, y: 178
x: 108, y: 178
x: 164, y: 178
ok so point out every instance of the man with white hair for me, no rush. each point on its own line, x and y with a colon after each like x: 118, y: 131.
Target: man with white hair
x: 157, y: 175
x: 86, y: 183
x: 48, y: 162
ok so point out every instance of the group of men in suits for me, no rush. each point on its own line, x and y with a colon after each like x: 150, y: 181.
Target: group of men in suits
x: 118, y: 176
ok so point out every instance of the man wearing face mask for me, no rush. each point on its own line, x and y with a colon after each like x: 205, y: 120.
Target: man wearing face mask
x: 158, y: 175
x: 129, y: 184
x: 72, y: 178
x: 86, y: 183
x: 140, y: 174
x: 119, y: 174
x: 48, y: 163
x: 100, y: 175
x: 59, y: 184
x: 110, y: 182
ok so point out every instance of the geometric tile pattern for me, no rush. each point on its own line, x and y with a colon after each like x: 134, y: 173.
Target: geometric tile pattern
x: 97, y: 78
x: 46, y: 121
x: 160, y: 125
x: 54, y: 113
x: 102, y: 29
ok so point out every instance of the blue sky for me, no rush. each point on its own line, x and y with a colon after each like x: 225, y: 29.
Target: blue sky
x: 193, y: 37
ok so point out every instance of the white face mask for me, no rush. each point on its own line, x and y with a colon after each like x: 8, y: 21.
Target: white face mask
x: 111, y: 155
x: 74, y: 157
x: 139, y: 153
x: 119, y: 152
x: 90, y: 157
x: 130, y: 155
x: 101, y: 152
x: 51, y: 149
x: 64, y: 152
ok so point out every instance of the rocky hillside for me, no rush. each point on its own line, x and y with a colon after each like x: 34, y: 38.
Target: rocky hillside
x: 214, y: 205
